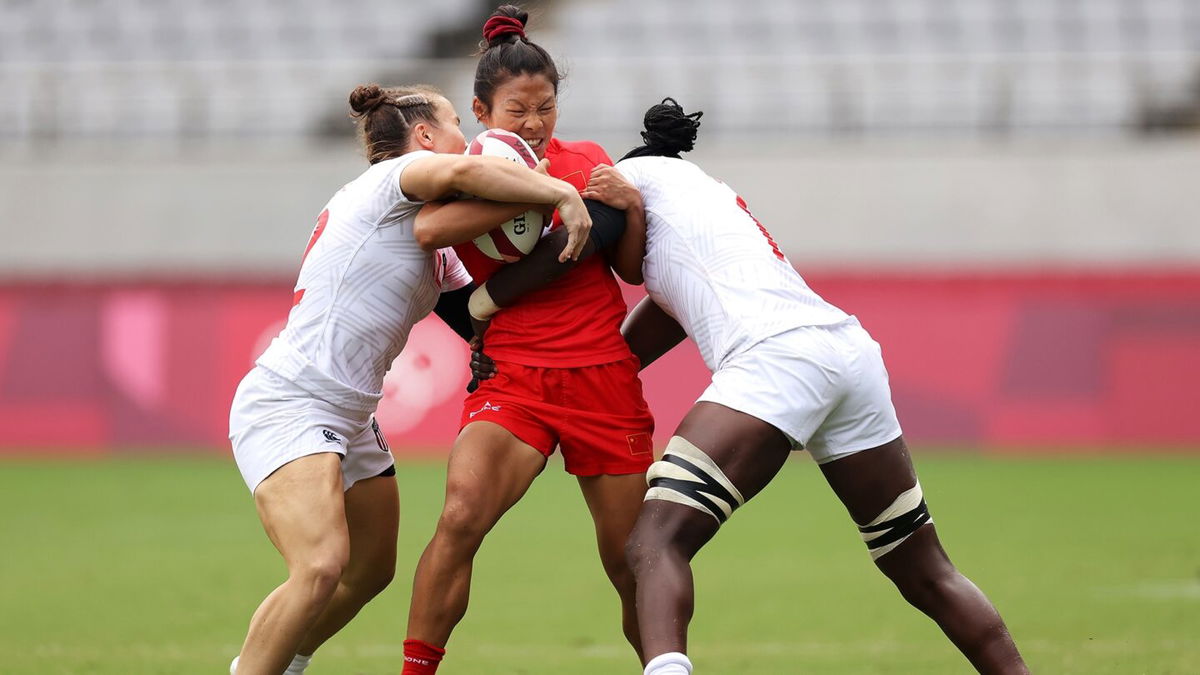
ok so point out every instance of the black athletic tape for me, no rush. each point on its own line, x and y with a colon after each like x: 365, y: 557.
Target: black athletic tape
x: 608, y: 224
x: 697, y: 491
x: 900, y: 527
x: 692, y: 490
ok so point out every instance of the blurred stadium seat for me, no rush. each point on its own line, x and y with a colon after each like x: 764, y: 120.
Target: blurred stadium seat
x: 200, y: 69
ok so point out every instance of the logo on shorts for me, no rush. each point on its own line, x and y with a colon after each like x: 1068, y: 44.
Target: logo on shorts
x: 330, y: 437
x: 486, y: 406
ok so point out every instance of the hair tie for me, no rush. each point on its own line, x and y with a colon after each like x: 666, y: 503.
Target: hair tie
x: 499, y: 26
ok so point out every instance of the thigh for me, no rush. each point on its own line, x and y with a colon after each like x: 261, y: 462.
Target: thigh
x: 489, y: 470
x: 614, y: 502
x: 748, y: 450
x: 868, y: 482
x: 302, y: 506
x: 373, y: 522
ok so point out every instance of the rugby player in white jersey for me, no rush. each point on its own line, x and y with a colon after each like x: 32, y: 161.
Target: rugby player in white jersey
x: 790, y: 371
x: 301, y: 423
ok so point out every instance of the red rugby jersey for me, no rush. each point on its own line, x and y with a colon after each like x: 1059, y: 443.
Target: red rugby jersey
x: 573, y: 322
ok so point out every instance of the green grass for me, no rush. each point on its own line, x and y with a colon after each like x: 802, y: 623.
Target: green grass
x: 154, y: 566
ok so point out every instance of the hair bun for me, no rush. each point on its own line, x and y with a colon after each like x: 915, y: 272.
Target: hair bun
x: 505, y: 21
x: 669, y: 129
x: 366, y: 97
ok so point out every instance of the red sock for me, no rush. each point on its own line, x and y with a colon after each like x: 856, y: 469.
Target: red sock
x: 421, y: 658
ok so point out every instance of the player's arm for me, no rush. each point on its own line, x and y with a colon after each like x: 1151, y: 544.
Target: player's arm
x: 452, y: 309
x: 446, y: 223
x: 439, y: 176
x: 542, y: 266
x: 651, y: 332
x: 608, y: 185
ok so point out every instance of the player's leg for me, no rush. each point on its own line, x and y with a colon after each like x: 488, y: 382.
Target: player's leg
x: 373, y: 520
x: 302, y: 509
x: 871, y: 484
x: 489, y: 470
x: 614, y: 502
x: 714, y: 448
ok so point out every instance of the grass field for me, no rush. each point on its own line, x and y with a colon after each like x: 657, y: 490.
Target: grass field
x: 154, y: 566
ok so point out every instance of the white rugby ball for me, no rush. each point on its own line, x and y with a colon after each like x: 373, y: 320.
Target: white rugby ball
x: 512, y: 240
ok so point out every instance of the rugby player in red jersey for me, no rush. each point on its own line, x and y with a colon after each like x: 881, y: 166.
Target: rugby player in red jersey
x: 565, y: 376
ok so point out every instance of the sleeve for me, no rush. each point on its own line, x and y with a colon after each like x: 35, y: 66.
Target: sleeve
x: 401, y: 163
x: 629, y: 171
x: 599, y: 156
x: 454, y: 275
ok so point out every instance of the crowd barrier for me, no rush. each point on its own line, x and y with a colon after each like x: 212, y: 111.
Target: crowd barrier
x: 1004, y: 360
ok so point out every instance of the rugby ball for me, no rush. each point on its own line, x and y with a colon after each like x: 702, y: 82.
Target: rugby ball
x: 512, y: 240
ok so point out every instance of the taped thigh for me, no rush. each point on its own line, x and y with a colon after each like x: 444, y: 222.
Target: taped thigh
x: 686, y: 475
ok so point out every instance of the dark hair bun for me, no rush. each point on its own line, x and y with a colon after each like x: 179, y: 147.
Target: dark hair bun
x: 669, y: 130
x: 366, y: 97
x: 506, y: 24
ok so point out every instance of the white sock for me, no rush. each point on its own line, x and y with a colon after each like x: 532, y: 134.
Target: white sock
x: 671, y: 663
x: 296, y: 667
x: 298, y: 664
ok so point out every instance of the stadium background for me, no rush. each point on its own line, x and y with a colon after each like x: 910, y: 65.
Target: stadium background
x: 1003, y: 190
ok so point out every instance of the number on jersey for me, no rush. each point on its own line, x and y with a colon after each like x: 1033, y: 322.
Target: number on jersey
x: 322, y: 220
x: 770, y: 240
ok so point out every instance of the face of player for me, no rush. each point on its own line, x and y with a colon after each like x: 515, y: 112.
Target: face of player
x: 525, y: 105
x: 447, y: 136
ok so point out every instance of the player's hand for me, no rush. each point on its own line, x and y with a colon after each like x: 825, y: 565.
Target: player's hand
x: 609, y: 186
x: 543, y: 167
x: 482, y: 365
x: 575, y: 218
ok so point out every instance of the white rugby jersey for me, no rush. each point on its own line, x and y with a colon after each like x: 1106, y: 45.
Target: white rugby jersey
x: 712, y: 266
x: 363, y: 283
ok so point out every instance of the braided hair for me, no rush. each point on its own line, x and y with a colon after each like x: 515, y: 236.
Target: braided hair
x: 669, y: 131
x: 385, y: 116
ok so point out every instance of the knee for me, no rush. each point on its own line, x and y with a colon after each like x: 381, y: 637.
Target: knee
x: 928, y: 587
x: 369, y: 578
x: 462, y: 524
x: 320, y: 574
x: 648, y: 546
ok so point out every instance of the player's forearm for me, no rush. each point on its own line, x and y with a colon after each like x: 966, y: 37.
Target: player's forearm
x: 441, y: 224
x: 630, y: 251
x: 537, y: 270
x: 651, y: 332
x: 543, y: 265
x: 503, y: 181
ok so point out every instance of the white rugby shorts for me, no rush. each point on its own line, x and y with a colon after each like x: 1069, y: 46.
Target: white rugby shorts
x: 274, y: 421
x: 823, y: 386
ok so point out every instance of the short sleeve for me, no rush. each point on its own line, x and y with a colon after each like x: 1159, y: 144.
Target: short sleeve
x: 401, y: 163
x: 629, y: 170
x: 454, y: 273
x: 599, y: 156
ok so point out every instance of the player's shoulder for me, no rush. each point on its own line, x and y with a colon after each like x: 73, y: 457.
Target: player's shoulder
x: 588, y: 151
